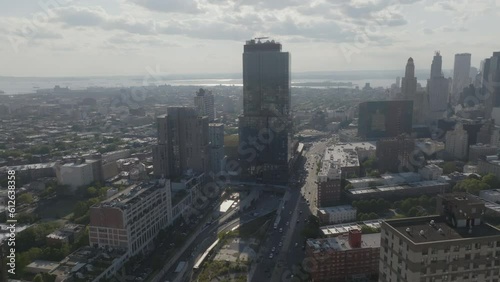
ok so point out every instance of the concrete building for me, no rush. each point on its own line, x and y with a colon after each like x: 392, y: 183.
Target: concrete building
x: 461, y: 75
x: 31, y: 172
x: 347, y: 156
x: 430, y: 172
x: 131, y: 219
x: 344, y: 258
x: 329, y: 184
x: 400, y: 191
x: 205, y: 104
x: 490, y: 87
x: 216, y: 138
x: 337, y: 214
x: 393, y: 154
x: 457, y: 142
x: 183, y: 143
x: 67, y: 234
x: 490, y: 164
x: 437, y: 89
x: 456, y: 245
x: 478, y: 151
x: 409, y: 92
x: 490, y: 195
x: 264, y: 128
x: 80, y: 173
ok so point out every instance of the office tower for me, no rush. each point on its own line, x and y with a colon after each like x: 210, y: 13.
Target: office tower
x: 394, y: 154
x: 457, y: 142
x: 183, y: 145
x: 349, y: 257
x: 398, y: 82
x: 409, y: 92
x: 437, y: 89
x: 461, y: 75
x: 491, y: 86
x: 205, y: 104
x: 379, y: 119
x: 329, y: 183
x: 216, y: 138
x: 455, y: 245
x: 264, y: 127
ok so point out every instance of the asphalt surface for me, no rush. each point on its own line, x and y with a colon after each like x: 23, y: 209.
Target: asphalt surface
x: 208, y: 236
x: 288, y: 244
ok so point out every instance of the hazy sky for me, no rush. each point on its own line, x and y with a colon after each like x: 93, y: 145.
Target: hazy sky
x: 133, y: 37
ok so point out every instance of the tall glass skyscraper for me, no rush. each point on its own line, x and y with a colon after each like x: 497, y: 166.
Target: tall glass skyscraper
x: 264, y: 127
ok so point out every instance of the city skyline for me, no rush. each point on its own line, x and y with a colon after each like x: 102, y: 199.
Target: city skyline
x: 62, y: 38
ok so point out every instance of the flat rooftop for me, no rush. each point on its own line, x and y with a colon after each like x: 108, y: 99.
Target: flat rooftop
x: 341, y: 243
x: 440, y: 231
x: 334, y: 209
x: 334, y: 230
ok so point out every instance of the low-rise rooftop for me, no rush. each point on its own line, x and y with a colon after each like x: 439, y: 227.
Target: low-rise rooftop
x: 435, y: 228
x: 341, y: 243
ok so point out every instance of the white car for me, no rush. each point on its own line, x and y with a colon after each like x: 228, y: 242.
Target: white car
x: 270, y: 255
x: 273, y: 249
x: 281, y: 230
x: 281, y: 244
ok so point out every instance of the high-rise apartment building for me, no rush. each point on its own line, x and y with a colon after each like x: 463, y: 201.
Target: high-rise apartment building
x: 264, y: 127
x: 380, y: 119
x: 461, y: 75
x: 437, y: 89
x: 456, y: 245
x: 457, y: 142
x: 394, y: 154
x: 183, y: 143
x: 205, y: 104
x: 216, y: 138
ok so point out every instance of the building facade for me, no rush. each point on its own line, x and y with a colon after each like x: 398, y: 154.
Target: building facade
x: 478, y: 151
x: 216, y: 137
x: 344, y: 258
x: 381, y: 119
x: 205, y: 104
x: 461, y: 75
x: 393, y: 154
x: 337, y: 214
x: 264, y: 127
x: 131, y: 219
x: 457, y: 142
x: 453, y: 246
x: 437, y: 89
x: 183, y: 143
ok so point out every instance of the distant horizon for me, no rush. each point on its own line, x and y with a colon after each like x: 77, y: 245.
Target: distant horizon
x: 380, y: 74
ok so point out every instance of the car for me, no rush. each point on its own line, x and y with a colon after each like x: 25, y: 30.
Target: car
x: 296, y: 244
x: 287, y: 223
x: 298, y: 220
x: 281, y: 230
x: 271, y: 255
x: 280, y: 244
x: 300, y: 212
x: 273, y: 249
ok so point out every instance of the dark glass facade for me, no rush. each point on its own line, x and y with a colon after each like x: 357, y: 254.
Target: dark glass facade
x: 381, y: 119
x: 264, y: 127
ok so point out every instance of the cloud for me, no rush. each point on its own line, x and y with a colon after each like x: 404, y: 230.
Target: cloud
x: 77, y: 16
x: 170, y: 6
x: 128, y: 39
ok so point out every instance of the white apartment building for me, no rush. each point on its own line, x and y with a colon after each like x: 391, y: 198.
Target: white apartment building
x: 337, y: 214
x: 132, y: 218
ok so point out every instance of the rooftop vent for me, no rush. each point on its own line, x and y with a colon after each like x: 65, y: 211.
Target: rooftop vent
x: 408, y: 229
x: 440, y: 231
x: 432, y: 222
x: 422, y: 233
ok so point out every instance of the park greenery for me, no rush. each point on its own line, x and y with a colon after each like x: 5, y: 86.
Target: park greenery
x: 474, y: 186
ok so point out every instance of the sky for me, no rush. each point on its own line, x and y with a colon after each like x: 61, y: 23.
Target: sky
x: 131, y: 37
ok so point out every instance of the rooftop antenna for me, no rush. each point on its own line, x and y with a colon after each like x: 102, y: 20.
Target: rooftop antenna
x: 259, y: 38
